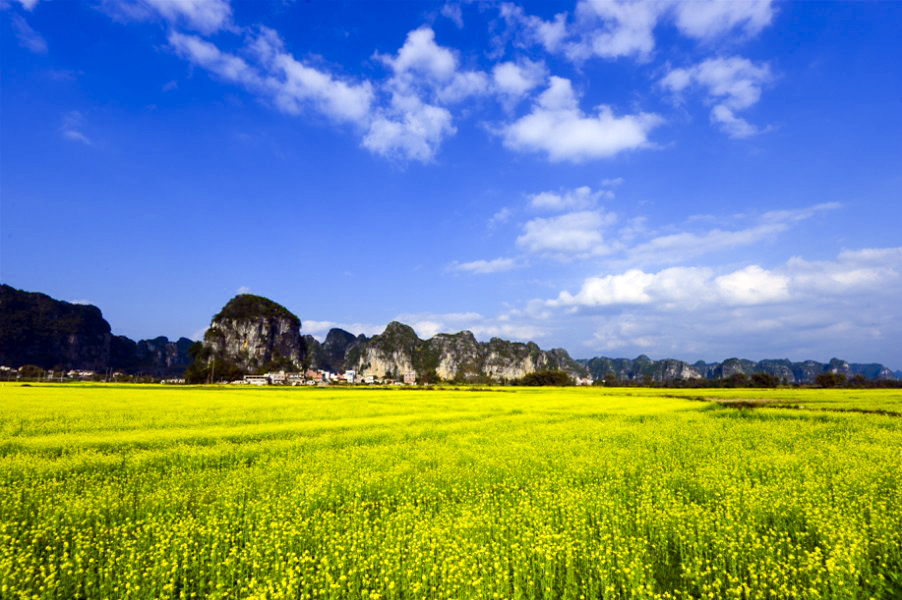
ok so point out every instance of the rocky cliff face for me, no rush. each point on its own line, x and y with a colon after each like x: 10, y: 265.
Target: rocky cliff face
x: 157, y: 357
x: 253, y: 333
x: 36, y: 329
x: 663, y: 371
x: 450, y: 357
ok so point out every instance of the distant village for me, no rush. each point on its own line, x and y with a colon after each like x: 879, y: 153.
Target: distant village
x: 310, y: 377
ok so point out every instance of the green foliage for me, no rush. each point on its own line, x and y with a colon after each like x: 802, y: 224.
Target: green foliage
x: 248, y: 306
x: 31, y: 372
x: 764, y: 380
x: 830, y: 380
x: 546, y: 378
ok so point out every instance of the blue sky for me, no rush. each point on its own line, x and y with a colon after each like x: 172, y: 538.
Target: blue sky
x: 684, y: 179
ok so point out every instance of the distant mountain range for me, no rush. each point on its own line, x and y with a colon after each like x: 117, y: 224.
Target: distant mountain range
x: 252, y: 333
x: 38, y: 330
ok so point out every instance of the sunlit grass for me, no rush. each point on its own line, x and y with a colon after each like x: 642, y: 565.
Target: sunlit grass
x: 158, y: 492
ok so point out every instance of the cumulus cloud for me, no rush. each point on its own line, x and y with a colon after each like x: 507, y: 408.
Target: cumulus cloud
x: 424, y: 77
x: 691, y: 288
x: 557, y: 127
x: 575, y: 234
x: 706, y: 19
x: 422, y: 66
x: 613, y: 29
x: 409, y: 129
x: 484, y: 267
x: 28, y: 38
x: 625, y: 28
x: 803, y: 309
x: 730, y: 84
x: 514, y: 80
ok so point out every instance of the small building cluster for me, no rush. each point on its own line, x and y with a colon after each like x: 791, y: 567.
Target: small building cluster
x: 320, y: 377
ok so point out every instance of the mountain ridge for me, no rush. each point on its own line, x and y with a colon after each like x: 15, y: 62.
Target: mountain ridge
x: 252, y: 333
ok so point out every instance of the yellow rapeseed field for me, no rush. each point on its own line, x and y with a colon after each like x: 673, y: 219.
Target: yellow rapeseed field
x: 167, y: 492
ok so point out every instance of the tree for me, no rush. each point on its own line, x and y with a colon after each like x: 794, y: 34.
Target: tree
x: 764, y: 380
x: 830, y: 380
x: 31, y: 372
x: 547, y: 377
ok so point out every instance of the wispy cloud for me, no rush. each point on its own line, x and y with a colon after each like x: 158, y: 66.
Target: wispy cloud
x: 28, y: 38
x: 484, y: 267
x: 73, y: 126
x: 204, y: 16
x: 673, y: 248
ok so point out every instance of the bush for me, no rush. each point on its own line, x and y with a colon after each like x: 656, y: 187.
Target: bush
x: 546, y: 378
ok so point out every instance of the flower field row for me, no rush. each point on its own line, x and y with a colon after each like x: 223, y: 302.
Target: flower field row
x: 142, y: 492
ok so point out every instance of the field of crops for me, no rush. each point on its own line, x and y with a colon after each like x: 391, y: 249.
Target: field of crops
x: 165, y: 492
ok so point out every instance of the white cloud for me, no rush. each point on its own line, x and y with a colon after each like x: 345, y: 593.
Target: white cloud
x: 425, y: 75
x: 731, y: 84
x: 409, y: 129
x: 484, y: 267
x: 170, y: 85
x: 73, y: 128
x: 28, y: 38
x: 558, y: 127
x: 422, y: 56
x: 208, y: 56
x: 568, y: 199
x: 706, y: 19
x: 294, y: 84
x: 243, y: 290
x: 513, y: 80
x: 627, y: 28
x: 569, y: 235
x: 28, y: 4
x: 549, y: 34
x: 752, y: 285
x: 677, y: 247
x: 499, y: 218
x: 291, y: 85
x: 801, y: 309
x: 452, y: 12
x: 691, y: 288
x: 205, y: 16
x: 613, y: 29
x: 423, y: 68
